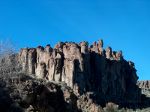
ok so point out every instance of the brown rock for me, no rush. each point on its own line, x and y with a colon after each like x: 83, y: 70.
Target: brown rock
x: 85, y: 69
x: 41, y: 71
x: 23, y: 57
x: 31, y: 61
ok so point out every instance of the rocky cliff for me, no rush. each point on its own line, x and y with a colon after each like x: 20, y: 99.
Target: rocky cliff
x: 144, y: 84
x: 103, y: 73
x: 145, y: 87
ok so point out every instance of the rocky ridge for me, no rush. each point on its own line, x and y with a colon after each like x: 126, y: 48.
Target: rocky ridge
x: 102, y: 74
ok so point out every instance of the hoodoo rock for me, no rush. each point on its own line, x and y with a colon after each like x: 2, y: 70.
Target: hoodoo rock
x: 105, y: 73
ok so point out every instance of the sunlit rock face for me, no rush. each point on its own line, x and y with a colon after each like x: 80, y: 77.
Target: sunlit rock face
x: 145, y: 84
x: 23, y: 56
x: 85, y: 69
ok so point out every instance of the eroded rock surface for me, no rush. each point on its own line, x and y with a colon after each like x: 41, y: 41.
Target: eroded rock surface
x: 145, y: 87
x: 85, y: 69
x: 144, y: 84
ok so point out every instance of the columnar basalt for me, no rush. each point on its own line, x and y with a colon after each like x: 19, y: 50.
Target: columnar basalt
x: 23, y: 57
x: 41, y: 71
x: 85, y: 69
x: 31, y: 61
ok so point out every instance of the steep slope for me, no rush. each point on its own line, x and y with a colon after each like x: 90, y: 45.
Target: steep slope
x: 103, y: 73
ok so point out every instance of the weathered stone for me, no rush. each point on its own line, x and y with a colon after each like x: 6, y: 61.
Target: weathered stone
x: 92, y: 77
x: 31, y: 61
x: 40, y: 52
x: 59, y: 46
x: 23, y: 57
x: 144, y: 84
x: 41, y: 71
x: 100, y: 47
x: 95, y: 47
x: 48, y: 49
x: 84, y: 47
x: 58, y: 67
x: 85, y: 69
x: 68, y: 72
x: 73, y: 66
x: 51, y: 68
x: 109, y: 53
x: 100, y: 43
x: 119, y: 55
x: 114, y: 55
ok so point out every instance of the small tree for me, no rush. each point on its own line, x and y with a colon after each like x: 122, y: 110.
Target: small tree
x: 6, y: 48
x: 9, y: 65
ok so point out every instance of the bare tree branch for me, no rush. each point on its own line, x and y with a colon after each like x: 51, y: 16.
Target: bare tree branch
x: 9, y: 64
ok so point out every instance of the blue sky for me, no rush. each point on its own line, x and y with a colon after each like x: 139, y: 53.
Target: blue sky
x: 122, y: 24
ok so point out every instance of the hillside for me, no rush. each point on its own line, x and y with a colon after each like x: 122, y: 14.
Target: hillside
x: 71, y: 77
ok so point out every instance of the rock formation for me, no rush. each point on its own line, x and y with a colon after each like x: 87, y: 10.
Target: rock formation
x: 144, y: 84
x: 105, y: 73
x: 145, y: 87
x: 109, y: 53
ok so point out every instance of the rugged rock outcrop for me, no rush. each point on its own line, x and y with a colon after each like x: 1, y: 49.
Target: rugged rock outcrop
x: 105, y: 73
x: 144, y: 84
x: 26, y: 94
x: 145, y: 88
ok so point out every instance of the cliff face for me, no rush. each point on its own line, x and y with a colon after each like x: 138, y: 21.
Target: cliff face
x: 145, y: 87
x: 103, y: 73
x: 144, y: 84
